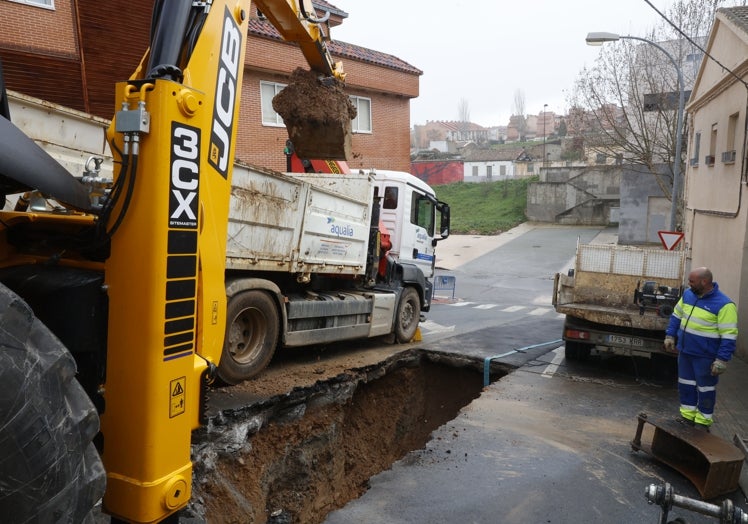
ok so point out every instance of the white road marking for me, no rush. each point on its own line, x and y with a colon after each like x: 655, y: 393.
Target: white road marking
x: 432, y: 327
x: 512, y: 309
x: 486, y: 306
x: 558, y: 357
x: 461, y: 304
x: 539, y: 311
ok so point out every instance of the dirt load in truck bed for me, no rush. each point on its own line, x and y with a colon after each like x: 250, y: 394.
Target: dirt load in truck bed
x: 317, y: 115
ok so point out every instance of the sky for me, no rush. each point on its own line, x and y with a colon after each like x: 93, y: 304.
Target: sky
x: 484, y: 51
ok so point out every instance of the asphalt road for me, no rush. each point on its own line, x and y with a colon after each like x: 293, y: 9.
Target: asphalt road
x: 550, y: 442
x: 509, y: 284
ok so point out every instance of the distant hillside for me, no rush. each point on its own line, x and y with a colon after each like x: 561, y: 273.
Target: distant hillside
x: 485, y: 208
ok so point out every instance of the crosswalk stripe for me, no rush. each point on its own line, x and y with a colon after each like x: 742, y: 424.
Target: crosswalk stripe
x: 512, y: 309
x: 486, y: 306
x: 539, y: 311
x: 461, y: 304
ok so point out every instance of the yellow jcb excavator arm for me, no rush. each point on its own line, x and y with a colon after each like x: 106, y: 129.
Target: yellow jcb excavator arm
x: 297, y: 22
x: 174, y: 137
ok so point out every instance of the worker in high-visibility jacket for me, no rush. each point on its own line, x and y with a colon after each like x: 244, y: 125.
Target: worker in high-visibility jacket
x: 703, y: 329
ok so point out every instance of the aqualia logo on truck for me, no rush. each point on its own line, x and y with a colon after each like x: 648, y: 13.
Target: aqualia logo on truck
x: 341, y: 231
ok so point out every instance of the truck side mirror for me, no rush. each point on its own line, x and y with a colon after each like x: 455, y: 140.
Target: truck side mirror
x: 444, y: 224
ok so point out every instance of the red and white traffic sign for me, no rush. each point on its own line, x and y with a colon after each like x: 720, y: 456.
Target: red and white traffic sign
x: 670, y: 239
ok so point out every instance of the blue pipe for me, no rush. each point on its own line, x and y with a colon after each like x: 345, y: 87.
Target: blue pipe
x: 487, y: 360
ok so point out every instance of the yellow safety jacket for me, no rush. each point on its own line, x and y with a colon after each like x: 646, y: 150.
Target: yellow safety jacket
x: 705, y: 326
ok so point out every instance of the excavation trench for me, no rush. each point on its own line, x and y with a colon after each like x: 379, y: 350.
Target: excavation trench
x: 296, y: 457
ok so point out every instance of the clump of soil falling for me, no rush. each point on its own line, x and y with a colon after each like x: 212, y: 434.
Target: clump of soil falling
x: 317, y: 115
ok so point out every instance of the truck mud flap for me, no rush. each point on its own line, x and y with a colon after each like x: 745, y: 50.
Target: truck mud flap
x: 712, y: 464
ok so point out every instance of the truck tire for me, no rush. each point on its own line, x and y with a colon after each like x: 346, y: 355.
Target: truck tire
x: 577, y: 350
x: 251, y: 336
x: 408, y: 315
x: 50, y: 470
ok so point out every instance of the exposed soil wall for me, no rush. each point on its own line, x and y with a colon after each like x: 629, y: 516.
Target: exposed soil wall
x: 299, y: 457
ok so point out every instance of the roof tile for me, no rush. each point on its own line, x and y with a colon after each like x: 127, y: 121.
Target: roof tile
x: 343, y: 49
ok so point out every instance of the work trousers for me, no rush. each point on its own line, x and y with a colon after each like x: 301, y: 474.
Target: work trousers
x: 697, y: 388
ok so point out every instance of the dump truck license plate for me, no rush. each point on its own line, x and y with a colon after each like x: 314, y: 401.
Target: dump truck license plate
x: 625, y: 341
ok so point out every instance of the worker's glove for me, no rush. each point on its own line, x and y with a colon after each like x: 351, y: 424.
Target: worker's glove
x: 719, y: 367
x: 669, y: 344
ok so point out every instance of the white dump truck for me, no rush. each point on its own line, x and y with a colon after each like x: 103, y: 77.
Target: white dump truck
x: 618, y: 299
x: 305, y: 265
x: 304, y: 262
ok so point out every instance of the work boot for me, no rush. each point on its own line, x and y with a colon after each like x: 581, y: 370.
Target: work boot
x: 685, y: 421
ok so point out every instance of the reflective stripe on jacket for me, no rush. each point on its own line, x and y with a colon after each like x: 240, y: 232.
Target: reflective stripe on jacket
x: 705, y: 326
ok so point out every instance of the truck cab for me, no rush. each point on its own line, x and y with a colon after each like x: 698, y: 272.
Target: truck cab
x: 408, y: 210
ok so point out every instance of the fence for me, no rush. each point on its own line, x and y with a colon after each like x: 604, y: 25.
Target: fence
x: 445, y: 283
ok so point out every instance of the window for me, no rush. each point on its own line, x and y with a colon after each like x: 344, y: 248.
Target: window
x: 422, y: 213
x: 502, y: 170
x: 362, y: 122
x: 489, y: 171
x: 728, y: 155
x: 709, y: 160
x: 268, y: 90
x: 40, y: 3
x: 390, y: 198
x: 696, y: 146
x: 475, y: 170
x: 600, y: 158
x: 530, y: 167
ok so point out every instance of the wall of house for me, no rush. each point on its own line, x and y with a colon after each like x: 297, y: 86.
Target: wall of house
x: 386, y: 147
x: 470, y: 168
x: 438, y: 171
x: 645, y: 205
x: 39, y: 52
x: 716, y: 203
x: 54, y: 30
x: 716, y: 195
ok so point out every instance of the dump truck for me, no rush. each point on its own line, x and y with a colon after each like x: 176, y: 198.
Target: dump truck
x: 124, y: 297
x: 618, y: 299
x: 304, y: 263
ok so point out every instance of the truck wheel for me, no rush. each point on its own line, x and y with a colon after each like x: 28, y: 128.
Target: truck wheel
x: 51, y: 471
x: 408, y: 315
x: 251, y: 336
x: 577, y: 350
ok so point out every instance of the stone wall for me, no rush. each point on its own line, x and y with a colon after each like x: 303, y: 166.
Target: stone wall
x: 575, y: 195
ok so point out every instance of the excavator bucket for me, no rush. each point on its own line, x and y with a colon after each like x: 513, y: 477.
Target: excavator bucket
x: 318, y: 115
x: 712, y: 464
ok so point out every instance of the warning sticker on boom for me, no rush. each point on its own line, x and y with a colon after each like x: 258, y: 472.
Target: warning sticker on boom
x: 177, y: 396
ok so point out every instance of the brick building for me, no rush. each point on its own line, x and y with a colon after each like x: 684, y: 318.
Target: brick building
x: 425, y: 136
x: 71, y: 52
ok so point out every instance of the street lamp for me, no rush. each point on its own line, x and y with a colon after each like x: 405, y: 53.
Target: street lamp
x: 596, y: 39
x: 544, y: 136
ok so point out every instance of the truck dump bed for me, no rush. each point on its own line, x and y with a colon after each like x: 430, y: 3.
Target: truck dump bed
x: 604, y: 280
x: 298, y: 223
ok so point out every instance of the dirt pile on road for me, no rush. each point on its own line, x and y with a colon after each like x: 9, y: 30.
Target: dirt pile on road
x: 317, y: 115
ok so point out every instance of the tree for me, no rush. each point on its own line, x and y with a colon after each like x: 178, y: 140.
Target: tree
x: 463, y: 118
x: 518, y: 110
x: 463, y: 111
x: 612, y: 103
